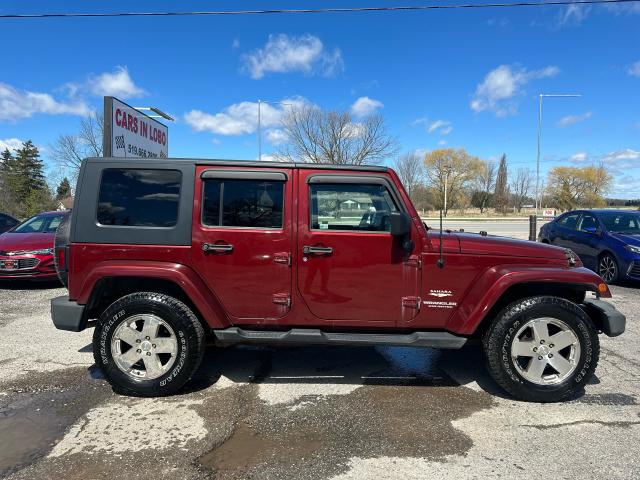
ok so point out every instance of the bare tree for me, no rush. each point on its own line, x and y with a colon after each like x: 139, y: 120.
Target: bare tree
x: 70, y: 150
x: 410, y: 169
x: 319, y: 136
x: 485, y: 184
x: 521, y: 187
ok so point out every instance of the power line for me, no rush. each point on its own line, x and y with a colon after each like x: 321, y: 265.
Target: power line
x: 317, y: 10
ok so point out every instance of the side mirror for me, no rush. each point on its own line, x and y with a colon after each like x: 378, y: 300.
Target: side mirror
x: 400, y: 224
x: 592, y: 230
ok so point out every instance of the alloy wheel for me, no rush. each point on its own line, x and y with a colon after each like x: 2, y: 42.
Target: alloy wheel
x: 545, y: 351
x: 144, y: 347
x: 608, y: 268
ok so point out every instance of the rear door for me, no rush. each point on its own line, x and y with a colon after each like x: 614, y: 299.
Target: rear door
x: 588, y: 240
x: 242, y: 239
x: 350, y: 268
x: 566, y: 230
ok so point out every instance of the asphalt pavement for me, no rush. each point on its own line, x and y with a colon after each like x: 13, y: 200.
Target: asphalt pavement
x: 305, y: 412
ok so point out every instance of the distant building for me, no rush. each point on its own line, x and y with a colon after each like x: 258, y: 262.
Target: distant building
x: 65, y: 204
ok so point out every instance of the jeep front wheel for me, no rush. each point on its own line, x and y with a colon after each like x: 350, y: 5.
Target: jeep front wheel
x: 542, y: 349
x: 148, y: 344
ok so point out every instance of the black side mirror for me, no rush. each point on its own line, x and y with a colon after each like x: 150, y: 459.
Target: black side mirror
x: 400, y: 224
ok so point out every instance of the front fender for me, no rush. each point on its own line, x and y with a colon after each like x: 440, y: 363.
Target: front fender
x: 495, y: 281
x: 181, y: 275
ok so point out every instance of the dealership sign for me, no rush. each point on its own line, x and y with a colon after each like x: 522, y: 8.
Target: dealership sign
x: 130, y: 133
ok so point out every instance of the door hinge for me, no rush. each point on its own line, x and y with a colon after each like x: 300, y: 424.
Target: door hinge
x: 414, y: 261
x: 282, y: 299
x: 283, y: 258
x: 411, y: 302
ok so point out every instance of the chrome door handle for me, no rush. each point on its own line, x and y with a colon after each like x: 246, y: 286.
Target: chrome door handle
x: 309, y: 250
x: 217, y: 247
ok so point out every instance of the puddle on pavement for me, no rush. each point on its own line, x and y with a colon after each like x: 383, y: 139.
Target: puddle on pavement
x: 397, y: 413
x: 35, y: 413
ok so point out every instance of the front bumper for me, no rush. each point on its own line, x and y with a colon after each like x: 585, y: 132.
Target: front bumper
x: 67, y: 314
x: 27, y: 266
x: 607, y: 319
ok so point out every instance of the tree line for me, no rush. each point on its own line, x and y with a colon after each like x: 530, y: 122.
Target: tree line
x: 24, y: 190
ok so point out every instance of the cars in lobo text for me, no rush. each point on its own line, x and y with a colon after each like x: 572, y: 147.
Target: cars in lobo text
x: 164, y: 256
x: 607, y: 241
x: 26, y: 251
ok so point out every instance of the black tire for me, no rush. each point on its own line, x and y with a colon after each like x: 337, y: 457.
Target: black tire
x: 61, y: 240
x: 499, y: 337
x: 608, y: 268
x: 186, y: 326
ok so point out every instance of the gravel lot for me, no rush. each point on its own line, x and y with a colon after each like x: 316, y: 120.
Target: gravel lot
x: 329, y: 413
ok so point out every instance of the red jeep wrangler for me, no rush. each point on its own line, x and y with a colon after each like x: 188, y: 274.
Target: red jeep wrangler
x: 165, y: 255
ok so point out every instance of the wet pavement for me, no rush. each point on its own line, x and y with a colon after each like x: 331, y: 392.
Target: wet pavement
x: 305, y: 412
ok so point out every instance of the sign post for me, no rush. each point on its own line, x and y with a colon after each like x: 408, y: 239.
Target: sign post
x: 130, y: 133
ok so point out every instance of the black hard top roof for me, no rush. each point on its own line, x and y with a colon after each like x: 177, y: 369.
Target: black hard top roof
x: 239, y: 163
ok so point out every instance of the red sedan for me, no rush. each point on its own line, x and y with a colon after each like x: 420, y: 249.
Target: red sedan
x: 26, y: 251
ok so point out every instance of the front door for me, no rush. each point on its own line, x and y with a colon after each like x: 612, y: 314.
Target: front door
x: 242, y: 239
x: 350, y: 268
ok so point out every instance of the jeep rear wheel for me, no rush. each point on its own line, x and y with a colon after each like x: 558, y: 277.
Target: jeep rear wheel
x: 148, y: 344
x: 542, y: 349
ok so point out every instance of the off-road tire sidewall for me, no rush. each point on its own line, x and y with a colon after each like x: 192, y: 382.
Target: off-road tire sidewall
x: 189, y: 335
x: 499, y: 337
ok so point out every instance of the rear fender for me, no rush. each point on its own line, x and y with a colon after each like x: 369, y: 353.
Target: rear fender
x: 181, y: 275
x: 495, y: 281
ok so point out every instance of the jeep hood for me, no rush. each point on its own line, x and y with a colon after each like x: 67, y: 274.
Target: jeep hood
x: 490, y: 245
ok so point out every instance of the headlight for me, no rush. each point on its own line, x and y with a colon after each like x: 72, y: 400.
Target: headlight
x: 42, y: 251
x: 633, y: 249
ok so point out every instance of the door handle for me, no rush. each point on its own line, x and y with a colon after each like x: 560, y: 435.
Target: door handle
x: 309, y: 250
x: 217, y: 247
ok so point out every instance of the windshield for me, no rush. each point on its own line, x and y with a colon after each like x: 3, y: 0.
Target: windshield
x: 621, y: 222
x: 39, y: 224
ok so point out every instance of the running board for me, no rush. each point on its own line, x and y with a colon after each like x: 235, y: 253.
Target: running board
x: 318, y: 337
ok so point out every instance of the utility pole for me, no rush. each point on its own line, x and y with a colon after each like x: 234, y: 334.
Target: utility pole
x: 540, y: 97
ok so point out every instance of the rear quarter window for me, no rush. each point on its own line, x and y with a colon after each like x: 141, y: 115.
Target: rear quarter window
x: 139, y: 197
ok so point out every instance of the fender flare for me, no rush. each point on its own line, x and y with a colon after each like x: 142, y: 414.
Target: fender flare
x: 494, y: 282
x: 184, y: 277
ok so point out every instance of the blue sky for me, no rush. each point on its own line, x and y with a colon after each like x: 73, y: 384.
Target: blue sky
x: 457, y: 78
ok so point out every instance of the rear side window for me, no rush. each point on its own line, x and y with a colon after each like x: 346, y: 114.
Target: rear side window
x: 569, y: 221
x: 242, y: 203
x: 139, y: 198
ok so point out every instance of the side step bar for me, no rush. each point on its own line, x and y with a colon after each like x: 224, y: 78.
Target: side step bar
x: 318, y: 337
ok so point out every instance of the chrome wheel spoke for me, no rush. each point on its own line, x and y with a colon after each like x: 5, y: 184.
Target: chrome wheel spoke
x: 562, y: 340
x: 535, y: 368
x: 522, y: 348
x: 129, y: 358
x: 152, y: 365
x: 561, y: 365
x: 129, y: 336
x: 150, y: 328
x: 166, y: 345
x: 540, y: 330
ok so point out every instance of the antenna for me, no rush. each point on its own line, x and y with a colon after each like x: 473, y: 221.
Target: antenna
x: 440, y: 262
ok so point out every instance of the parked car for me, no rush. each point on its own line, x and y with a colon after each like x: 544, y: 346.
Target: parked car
x: 607, y: 241
x: 7, y: 222
x: 26, y: 251
x: 168, y: 255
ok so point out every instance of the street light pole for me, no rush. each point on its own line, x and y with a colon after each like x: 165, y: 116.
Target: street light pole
x: 540, y: 97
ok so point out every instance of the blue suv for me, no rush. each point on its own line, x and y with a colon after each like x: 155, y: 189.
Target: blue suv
x: 607, y: 241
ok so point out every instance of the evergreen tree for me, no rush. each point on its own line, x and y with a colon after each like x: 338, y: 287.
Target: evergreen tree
x: 501, y: 193
x: 7, y: 172
x: 27, y: 181
x: 64, y: 189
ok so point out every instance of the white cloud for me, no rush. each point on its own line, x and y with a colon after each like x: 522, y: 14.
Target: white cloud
x: 443, y: 127
x: 634, y: 69
x: 573, y: 119
x: 276, y: 136
x: 579, y: 157
x: 235, y: 44
x: 117, y: 83
x: 622, y: 155
x: 10, y: 144
x: 17, y: 104
x: 240, y: 118
x: 442, y: 143
x: 282, y: 53
x: 572, y: 15
x: 365, y: 106
x: 626, y: 186
x: 497, y: 91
